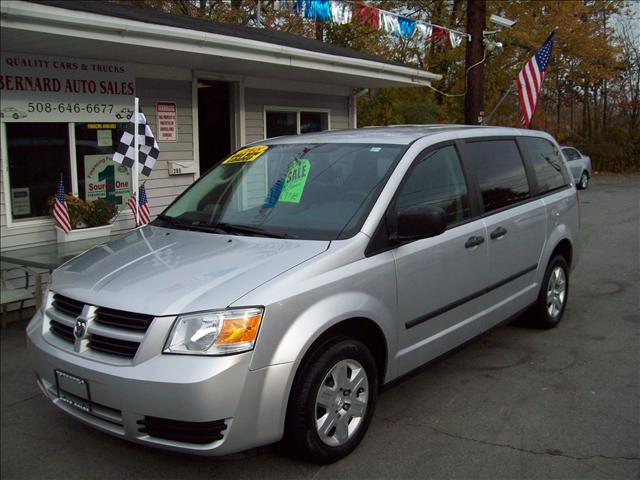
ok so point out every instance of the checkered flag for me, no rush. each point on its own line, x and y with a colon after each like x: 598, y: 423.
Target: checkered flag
x: 147, y: 145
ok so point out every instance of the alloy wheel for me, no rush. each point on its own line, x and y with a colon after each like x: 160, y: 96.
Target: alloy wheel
x: 556, y: 292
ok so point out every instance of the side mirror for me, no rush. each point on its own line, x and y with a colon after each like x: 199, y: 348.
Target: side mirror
x: 420, y: 221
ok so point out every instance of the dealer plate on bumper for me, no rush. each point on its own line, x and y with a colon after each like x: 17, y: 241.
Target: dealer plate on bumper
x: 73, y: 390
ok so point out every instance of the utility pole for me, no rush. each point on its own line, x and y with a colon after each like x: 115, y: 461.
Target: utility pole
x: 474, y: 99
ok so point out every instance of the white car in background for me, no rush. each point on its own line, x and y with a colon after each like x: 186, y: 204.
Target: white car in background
x: 579, y: 165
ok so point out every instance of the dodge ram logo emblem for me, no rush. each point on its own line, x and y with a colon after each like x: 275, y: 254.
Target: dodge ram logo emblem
x: 80, y: 329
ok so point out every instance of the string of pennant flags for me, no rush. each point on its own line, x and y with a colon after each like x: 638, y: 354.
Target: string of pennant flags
x: 342, y: 12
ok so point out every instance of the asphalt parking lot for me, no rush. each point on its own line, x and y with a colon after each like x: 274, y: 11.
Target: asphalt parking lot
x: 515, y: 403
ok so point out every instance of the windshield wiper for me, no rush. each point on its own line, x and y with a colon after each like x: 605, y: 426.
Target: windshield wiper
x: 250, y: 229
x: 176, y: 222
x: 223, y: 228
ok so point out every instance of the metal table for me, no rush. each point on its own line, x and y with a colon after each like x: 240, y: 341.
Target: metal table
x: 49, y: 257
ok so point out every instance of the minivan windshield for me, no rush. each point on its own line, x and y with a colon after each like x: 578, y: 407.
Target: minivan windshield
x: 319, y: 191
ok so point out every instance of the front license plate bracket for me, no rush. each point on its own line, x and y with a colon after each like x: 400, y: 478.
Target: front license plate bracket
x: 73, y: 390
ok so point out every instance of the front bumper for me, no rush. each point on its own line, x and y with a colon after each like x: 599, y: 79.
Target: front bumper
x: 185, y: 388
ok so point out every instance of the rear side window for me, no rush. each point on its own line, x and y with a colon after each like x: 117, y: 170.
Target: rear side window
x: 571, y: 154
x: 438, y: 181
x: 547, y: 164
x: 500, y: 173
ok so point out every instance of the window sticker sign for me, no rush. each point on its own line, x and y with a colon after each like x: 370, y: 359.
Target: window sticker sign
x: 106, y: 179
x: 104, y: 138
x: 248, y: 154
x: 167, y: 121
x: 38, y: 88
x: 20, y: 201
x: 295, y: 181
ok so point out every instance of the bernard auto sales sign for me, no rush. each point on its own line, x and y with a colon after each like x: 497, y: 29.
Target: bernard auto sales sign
x: 36, y: 88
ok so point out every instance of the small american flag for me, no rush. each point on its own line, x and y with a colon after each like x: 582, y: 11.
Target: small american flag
x: 143, y: 207
x: 530, y: 79
x: 60, y: 210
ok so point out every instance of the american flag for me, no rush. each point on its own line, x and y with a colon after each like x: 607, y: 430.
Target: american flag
x: 60, y: 210
x: 143, y: 207
x: 530, y: 79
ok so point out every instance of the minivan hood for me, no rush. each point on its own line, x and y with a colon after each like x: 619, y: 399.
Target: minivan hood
x: 162, y: 271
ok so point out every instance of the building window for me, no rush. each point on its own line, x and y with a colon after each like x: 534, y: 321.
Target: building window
x: 38, y: 154
x: 98, y: 175
x: 313, y: 121
x: 281, y: 123
x: 291, y: 121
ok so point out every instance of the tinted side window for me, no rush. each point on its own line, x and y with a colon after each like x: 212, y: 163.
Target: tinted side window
x: 571, y: 154
x: 547, y: 164
x: 438, y: 180
x: 499, y: 171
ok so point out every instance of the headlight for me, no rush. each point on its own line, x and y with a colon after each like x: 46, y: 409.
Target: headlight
x: 215, y: 333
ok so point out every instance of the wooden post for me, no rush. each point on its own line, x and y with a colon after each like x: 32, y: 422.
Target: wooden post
x: 474, y: 99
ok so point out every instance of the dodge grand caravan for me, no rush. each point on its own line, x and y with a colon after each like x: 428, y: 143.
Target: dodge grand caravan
x: 279, y: 292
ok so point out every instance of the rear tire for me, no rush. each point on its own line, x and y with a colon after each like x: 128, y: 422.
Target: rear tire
x: 584, y: 181
x: 554, y: 294
x: 333, y: 401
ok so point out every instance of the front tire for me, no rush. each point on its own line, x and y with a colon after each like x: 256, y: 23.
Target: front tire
x: 333, y: 401
x: 584, y: 181
x: 554, y: 294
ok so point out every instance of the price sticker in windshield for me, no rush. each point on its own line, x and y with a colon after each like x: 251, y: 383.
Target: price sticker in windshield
x: 248, y: 154
x: 295, y: 181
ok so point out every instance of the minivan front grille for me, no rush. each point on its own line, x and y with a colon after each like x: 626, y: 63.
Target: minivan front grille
x: 61, y: 330
x: 105, y: 331
x: 179, y: 431
x: 120, y: 319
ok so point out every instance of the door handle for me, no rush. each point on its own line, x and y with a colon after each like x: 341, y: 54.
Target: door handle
x: 498, y: 233
x: 474, y: 241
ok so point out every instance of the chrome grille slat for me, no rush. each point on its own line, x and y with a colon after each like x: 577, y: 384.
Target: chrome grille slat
x: 111, y: 332
x: 59, y: 317
x: 126, y: 320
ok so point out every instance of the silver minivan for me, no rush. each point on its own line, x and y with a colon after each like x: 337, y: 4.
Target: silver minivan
x: 277, y: 295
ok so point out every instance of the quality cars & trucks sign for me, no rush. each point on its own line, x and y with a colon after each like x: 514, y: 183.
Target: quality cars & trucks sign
x: 36, y: 88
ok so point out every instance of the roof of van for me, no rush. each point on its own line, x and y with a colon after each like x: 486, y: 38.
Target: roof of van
x: 399, y: 134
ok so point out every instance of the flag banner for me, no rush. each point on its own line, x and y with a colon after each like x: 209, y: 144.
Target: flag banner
x: 342, y: 12
x: 425, y: 31
x: 455, y: 39
x: 368, y: 16
x: 530, y: 80
x: 314, y: 9
x: 143, y: 207
x: 389, y: 23
x: 60, y: 210
x: 148, y: 150
x: 407, y: 27
x: 439, y: 37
